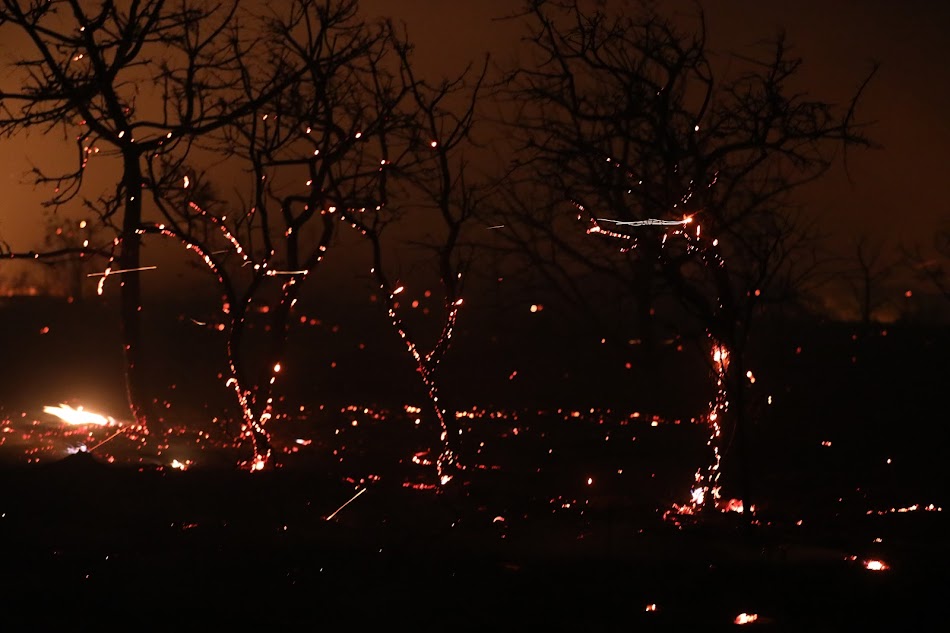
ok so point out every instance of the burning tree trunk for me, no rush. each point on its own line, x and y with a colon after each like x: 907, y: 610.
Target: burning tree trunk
x: 434, y: 175
x: 313, y: 162
x: 624, y: 115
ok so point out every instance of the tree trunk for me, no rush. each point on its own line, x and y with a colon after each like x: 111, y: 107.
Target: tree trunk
x: 130, y: 288
x: 737, y: 389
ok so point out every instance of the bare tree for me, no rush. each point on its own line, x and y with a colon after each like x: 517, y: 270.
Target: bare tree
x: 438, y: 197
x: 872, y: 269
x: 129, y: 82
x: 311, y: 161
x: 80, y: 241
x: 933, y: 267
x: 623, y: 120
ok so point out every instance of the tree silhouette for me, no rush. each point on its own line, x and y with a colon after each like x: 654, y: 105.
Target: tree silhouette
x: 437, y: 196
x: 130, y: 82
x: 623, y: 118
x: 872, y: 269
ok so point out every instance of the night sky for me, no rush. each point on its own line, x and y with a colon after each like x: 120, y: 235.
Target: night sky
x: 894, y: 193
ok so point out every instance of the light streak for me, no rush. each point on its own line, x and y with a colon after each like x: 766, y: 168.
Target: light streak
x: 111, y: 437
x: 351, y: 500
x: 119, y: 271
x: 647, y: 222
x: 274, y: 273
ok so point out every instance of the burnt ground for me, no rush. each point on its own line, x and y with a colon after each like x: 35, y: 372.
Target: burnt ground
x: 95, y: 545
x: 553, y: 527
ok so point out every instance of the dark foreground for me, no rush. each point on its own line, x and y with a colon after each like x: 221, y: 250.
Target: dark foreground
x: 557, y: 525
x: 92, y: 546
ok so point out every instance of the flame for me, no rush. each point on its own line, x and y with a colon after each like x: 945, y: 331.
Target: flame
x: 720, y: 356
x: 746, y: 618
x: 78, y: 416
x: 875, y: 565
x: 734, y: 505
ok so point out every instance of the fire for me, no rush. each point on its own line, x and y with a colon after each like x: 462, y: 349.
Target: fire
x: 720, y: 356
x: 78, y: 415
x: 734, y: 505
x: 746, y: 618
x: 875, y: 565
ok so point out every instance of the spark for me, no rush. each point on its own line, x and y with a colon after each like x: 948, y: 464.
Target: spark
x: 497, y: 226
x: 351, y: 500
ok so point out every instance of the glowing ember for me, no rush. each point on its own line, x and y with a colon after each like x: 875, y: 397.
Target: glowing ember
x: 746, y: 618
x: 78, y: 415
x: 698, y: 496
x: 734, y: 505
x: 875, y: 565
x: 181, y: 465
